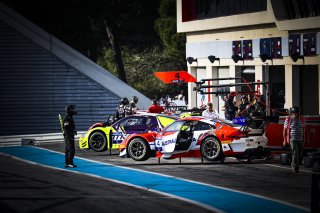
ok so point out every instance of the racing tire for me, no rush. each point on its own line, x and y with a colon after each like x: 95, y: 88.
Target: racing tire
x: 138, y: 149
x: 316, y: 166
x: 98, y: 141
x: 307, y: 161
x: 211, y: 149
x: 285, y: 158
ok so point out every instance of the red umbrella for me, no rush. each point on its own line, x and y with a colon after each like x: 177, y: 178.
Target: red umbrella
x: 175, y: 77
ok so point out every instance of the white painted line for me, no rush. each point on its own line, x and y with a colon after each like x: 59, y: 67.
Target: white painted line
x: 288, y: 168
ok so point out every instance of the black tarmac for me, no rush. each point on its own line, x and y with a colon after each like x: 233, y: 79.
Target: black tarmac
x: 29, y: 187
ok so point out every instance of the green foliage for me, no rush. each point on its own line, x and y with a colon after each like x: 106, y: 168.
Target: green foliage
x: 140, y: 66
x: 141, y: 60
x: 166, y: 28
x: 167, y: 8
x: 106, y: 60
x: 145, y: 31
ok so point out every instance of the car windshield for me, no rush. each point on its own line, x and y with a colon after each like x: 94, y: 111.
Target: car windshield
x: 176, y: 126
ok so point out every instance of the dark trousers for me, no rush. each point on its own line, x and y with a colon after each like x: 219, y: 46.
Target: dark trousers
x: 297, y: 150
x: 69, y: 150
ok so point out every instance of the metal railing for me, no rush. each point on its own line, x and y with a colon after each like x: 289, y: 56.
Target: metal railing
x: 34, y: 139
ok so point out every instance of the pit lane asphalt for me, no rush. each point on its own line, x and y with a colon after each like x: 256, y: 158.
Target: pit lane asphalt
x: 31, y: 188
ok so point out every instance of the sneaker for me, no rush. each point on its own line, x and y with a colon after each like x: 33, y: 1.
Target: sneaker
x: 70, y: 166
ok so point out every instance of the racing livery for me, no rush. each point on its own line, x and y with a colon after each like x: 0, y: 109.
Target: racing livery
x: 198, y: 137
x: 103, y: 136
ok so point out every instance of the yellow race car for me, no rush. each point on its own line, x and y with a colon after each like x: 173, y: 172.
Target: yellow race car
x: 103, y: 136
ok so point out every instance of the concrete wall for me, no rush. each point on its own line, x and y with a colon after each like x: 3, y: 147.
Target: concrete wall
x: 214, y: 37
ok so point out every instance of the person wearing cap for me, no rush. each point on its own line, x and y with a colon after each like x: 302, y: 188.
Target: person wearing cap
x: 69, y: 131
x: 155, y: 108
x: 293, y: 134
x: 209, y: 112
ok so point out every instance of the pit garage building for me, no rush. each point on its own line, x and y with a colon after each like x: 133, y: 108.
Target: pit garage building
x: 268, y: 40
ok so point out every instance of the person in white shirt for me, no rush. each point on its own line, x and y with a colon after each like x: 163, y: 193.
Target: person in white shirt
x: 210, y: 113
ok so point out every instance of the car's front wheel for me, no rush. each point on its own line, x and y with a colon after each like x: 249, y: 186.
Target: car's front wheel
x: 138, y: 149
x: 98, y: 141
x: 211, y: 149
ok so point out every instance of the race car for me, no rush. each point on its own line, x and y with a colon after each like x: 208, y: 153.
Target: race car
x: 197, y: 137
x: 108, y: 135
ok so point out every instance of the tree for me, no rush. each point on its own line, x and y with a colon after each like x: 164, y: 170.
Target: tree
x: 116, y: 33
x: 166, y: 28
x: 173, y: 42
x: 116, y: 53
x: 118, y: 20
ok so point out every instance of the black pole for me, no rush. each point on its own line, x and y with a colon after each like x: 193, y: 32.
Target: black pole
x: 315, y: 193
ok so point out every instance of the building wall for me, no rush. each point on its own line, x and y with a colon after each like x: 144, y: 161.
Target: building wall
x: 40, y: 75
x: 257, y: 18
x: 214, y: 36
x: 35, y: 86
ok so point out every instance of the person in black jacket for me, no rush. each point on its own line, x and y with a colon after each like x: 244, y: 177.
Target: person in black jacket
x: 69, y: 131
x: 121, y: 109
x: 230, y: 108
x: 243, y: 106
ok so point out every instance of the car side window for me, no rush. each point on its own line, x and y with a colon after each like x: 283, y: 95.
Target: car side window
x: 150, y: 120
x: 174, y: 127
x: 130, y: 121
x: 203, y: 126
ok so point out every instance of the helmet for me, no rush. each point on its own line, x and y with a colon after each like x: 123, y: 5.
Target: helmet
x: 135, y: 99
x: 71, y: 109
x: 294, y: 109
x: 124, y: 101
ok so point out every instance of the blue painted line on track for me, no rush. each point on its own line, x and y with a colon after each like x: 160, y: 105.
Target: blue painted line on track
x: 217, y: 198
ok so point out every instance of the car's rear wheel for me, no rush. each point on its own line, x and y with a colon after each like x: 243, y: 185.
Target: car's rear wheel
x: 211, y: 149
x: 138, y: 149
x: 98, y: 141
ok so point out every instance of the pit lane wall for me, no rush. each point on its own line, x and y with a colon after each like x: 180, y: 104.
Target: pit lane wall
x: 274, y: 133
x: 35, y: 139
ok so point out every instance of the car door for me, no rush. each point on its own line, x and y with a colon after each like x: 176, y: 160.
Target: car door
x: 127, y: 126
x: 199, y: 129
x: 166, y: 140
x: 185, y: 136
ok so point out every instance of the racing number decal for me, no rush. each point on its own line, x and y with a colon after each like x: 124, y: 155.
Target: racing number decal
x: 117, y: 137
x: 158, y: 145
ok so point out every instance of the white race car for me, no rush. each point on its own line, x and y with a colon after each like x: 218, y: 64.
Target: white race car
x: 198, y: 137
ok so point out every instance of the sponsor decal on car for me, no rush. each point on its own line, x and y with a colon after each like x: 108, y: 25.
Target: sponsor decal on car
x: 164, y: 143
x: 117, y: 137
